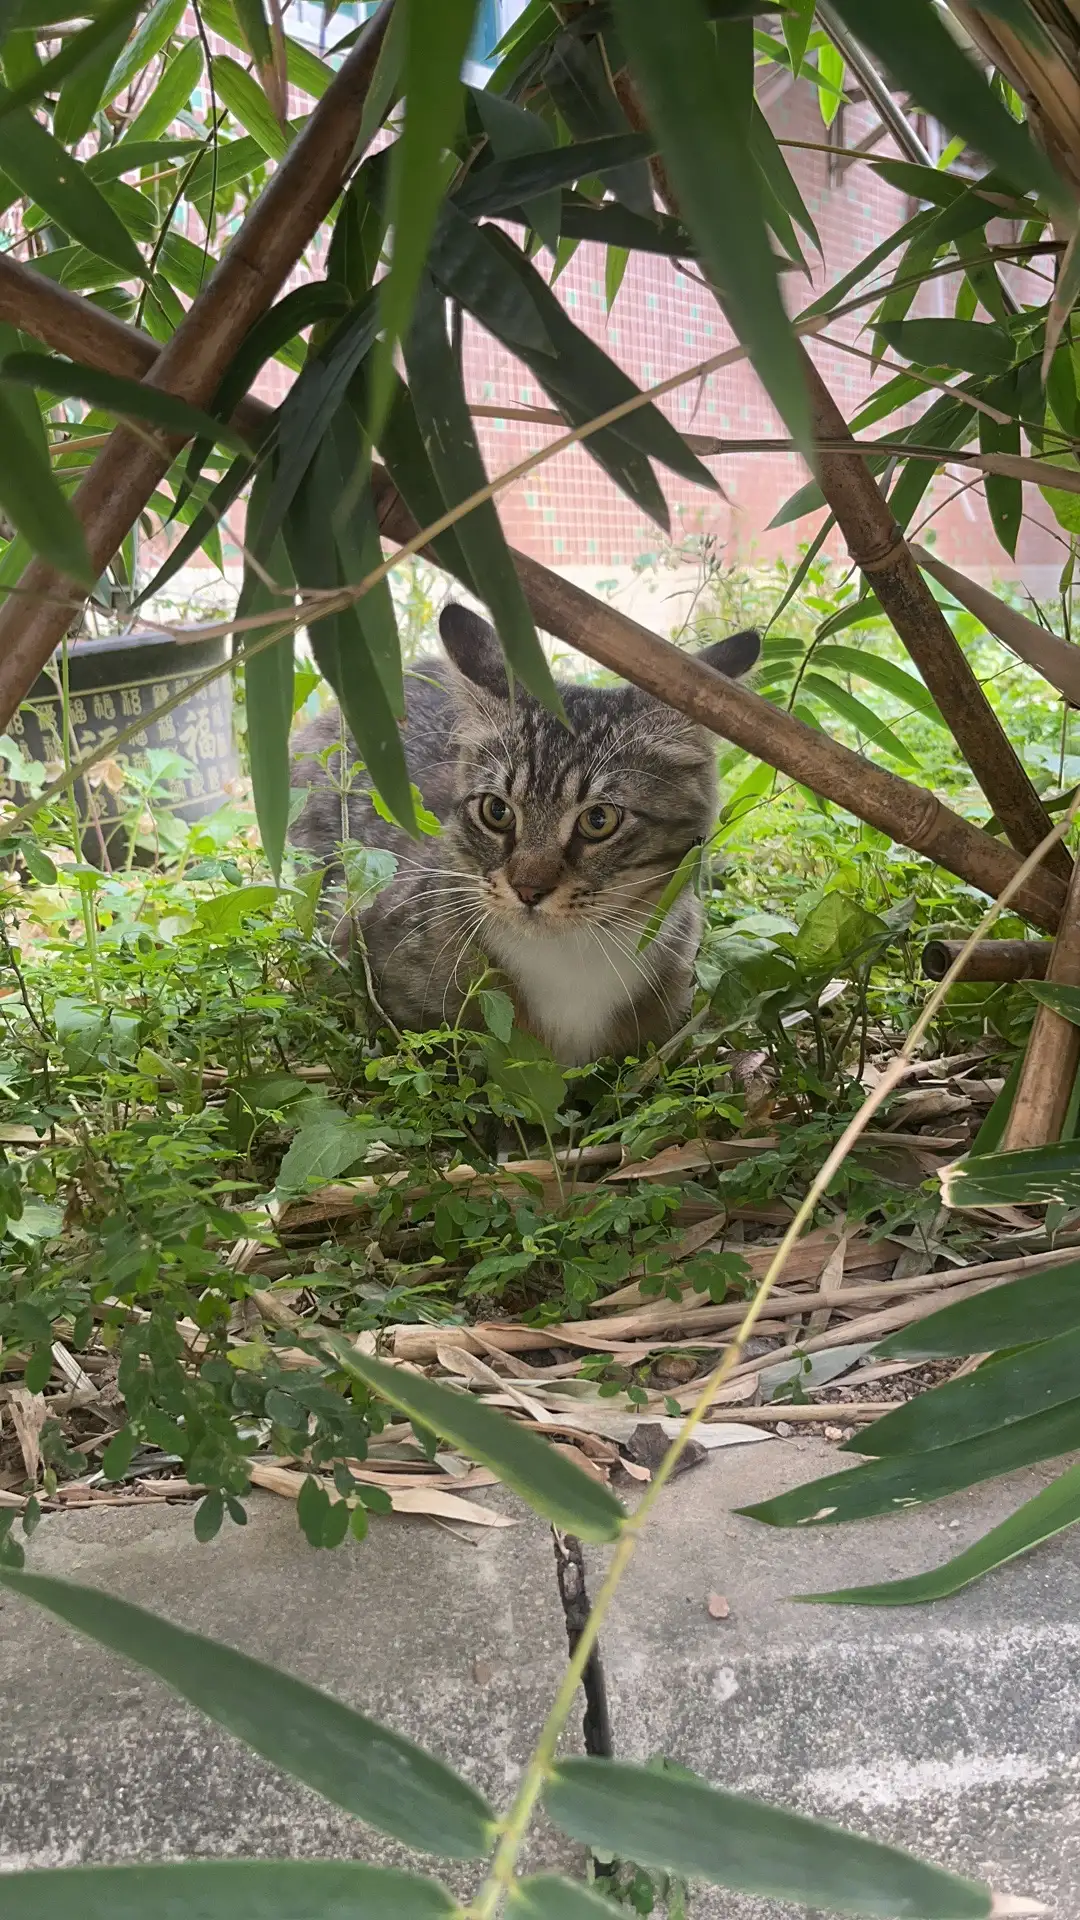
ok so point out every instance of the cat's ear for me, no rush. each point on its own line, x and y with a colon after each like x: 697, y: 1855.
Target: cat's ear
x: 473, y: 646
x: 734, y: 656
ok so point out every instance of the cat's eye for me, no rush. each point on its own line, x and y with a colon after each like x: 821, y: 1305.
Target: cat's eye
x: 599, y: 821
x: 496, y: 813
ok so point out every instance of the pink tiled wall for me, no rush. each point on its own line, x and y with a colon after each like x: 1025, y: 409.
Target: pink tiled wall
x: 664, y: 320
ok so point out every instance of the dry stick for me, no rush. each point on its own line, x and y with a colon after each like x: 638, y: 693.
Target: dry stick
x: 516, y: 1824
x: 122, y: 479
x: 1052, y: 1054
x: 991, y: 959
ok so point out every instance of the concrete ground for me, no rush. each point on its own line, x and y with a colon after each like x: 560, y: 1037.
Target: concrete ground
x: 951, y: 1730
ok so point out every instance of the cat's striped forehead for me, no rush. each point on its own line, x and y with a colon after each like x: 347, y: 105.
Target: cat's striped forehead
x: 616, y: 737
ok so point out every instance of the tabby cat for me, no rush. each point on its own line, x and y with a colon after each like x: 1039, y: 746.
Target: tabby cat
x: 557, y: 843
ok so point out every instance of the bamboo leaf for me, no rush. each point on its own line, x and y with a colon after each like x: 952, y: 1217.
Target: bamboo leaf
x: 1063, y: 1000
x: 227, y: 1890
x: 576, y: 77
x: 893, y: 1485
x: 697, y: 88
x: 830, y: 66
x: 999, y: 1393
x: 437, y: 35
x: 1050, y: 1512
x: 339, y: 640
x: 156, y: 29
x: 778, y: 174
x: 493, y: 189
x: 1004, y: 492
x: 1031, y: 1177
x: 921, y: 57
x: 78, y: 52
x: 170, y: 96
x: 223, y: 493
x: 269, y: 679
x: 450, y: 442
x: 859, y: 716
x: 547, y: 1480
x: 576, y: 372
x: 976, y: 346
x: 34, y: 502
x: 881, y: 673
x: 127, y: 156
x: 401, y: 445
x: 1003, y: 1317
x: 513, y: 132
x: 658, y: 1819
x: 247, y: 103
x: 45, y: 172
x: 348, y: 1759
x: 70, y: 380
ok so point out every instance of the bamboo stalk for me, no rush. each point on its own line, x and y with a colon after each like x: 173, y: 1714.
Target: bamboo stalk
x: 909, y: 814
x: 990, y: 960
x: 122, y: 479
x: 880, y: 550
x: 1052, y: 1054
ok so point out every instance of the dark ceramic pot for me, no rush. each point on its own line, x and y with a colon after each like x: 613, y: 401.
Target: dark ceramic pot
x: 112, y: 683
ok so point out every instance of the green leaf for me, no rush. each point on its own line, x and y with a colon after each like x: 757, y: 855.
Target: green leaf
x: 209, y: 1515
x: 992, y: 1132
x: 576, y: 77
x: 46, y: 173
x: 838, y: 935
x: 1006, y: 1316
x: 546, y: 1897
x: 889, y: 1485
x: 451, y: 445
x: 328, y: 1142
x: 348, y: 1759
x: 503, y: 184
x: 324, y: 1522
x: 1032, y: 1177
x: 859, y: 716
x: 437, y: 35
x: 305, y: 70
x: 830, y: 66
x: 697, y: 85
x: 406, y: 459
x: 156, y: 29
x: 169, y: 97
x: 77, y: 52
x: 340, y: 640
x: 1050, y: 1512
x: 880, y: 673
x: 526, y: 1071
x: 247, y: 103
x: 703, y: 1832
x: 80, y: 95
x: 778, y: 175
x: 1063, y: 1000
x: 498, y: 1011
x: 227, y: 1890
x: 70, y: 380
x: 574, y: 371
x: 255, y: 29
x: 976, y: 346
x: 512, y: 132
x: 1004, y: 1390
x: 921, y: 57
x: 550, y: 1483
x: 269, y: 676
x: 33, y: 501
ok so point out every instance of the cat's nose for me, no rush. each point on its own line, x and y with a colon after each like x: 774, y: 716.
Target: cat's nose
x: 529, y: 895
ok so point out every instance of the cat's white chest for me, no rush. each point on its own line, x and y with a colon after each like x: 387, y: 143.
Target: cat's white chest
x: 574, y: 987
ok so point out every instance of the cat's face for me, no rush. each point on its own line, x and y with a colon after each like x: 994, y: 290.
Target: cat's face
x: 580, y: 825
